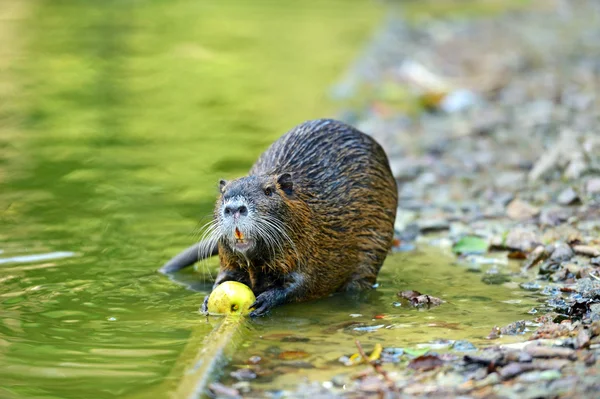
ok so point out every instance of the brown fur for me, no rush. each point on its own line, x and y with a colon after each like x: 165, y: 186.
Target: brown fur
x: 338, y: 205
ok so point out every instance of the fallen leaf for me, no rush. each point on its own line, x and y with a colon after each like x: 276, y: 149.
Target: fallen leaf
x: 470, y: 245
x: 425, y: 362
x: 416, y: 352
x: 376, y: 354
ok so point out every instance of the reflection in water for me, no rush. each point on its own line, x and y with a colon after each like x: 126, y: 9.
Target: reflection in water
x: 116, y: 121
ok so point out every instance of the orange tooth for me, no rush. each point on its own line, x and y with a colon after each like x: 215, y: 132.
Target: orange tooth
x: 238, y: 234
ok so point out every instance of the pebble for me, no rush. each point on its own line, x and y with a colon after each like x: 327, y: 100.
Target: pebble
x: 562, y: 252
x: 521, y: 210
x: 592, y: 186
x: 463, y: 346
x: 568, y: 197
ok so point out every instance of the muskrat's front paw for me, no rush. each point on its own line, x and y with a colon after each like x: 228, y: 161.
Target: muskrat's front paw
x: 204, y: 307
x: 264, y: 302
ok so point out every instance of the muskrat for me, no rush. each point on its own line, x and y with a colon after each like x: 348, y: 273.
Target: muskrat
x: 315, y: 215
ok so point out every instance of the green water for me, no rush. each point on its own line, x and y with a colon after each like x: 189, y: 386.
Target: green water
x: 117, y: 118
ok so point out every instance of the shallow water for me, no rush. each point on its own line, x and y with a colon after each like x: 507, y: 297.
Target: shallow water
x: 117, y: 119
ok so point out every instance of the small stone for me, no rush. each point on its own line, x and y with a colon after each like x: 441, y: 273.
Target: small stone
x: 495, y: 278
x: 521, y: 210
x: 595, y: 261
x: 509, y: 179
x: 392, y: 355
x: 521, y: 239
x: 562, y: 252
x: 516, y: 328
x: 592, y: 187
x: 554, y: 216
x: 221, y: 390
x: 339, y: 380
x: 254, y: 359
x: 243, y: 374
x: 538, y: 254
x: 535, y: 376
x: 568, y: 197
x: 463, y: 346
x: 433, y: 225
x: 549, y: 267
x: 583, y: 338
x: 587, y: 250
x: 538, y: 351
x: 530, y: 286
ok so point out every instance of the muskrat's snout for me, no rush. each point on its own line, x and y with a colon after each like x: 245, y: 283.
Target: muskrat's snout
x: 235, y: 222
x: 236, y: 211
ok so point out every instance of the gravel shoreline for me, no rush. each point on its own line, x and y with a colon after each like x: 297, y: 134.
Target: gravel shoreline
x: 506, y: 155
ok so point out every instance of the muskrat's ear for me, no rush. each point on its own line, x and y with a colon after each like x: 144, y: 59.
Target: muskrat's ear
x: 284, y: 181
x: 222, y: 184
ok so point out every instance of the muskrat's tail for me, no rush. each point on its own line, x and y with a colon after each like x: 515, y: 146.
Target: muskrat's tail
x: 189, y: 256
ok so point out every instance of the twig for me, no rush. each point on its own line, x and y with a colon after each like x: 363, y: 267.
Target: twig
x: 376, y: 366
x: 594, y: 276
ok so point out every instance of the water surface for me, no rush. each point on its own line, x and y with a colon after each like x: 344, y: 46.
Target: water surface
x: 117, y: 118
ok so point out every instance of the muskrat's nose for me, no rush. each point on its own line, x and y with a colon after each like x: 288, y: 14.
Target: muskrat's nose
x: 236, y: 210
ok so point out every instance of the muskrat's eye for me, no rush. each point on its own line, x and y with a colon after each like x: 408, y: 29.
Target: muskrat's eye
x: 268, y: 192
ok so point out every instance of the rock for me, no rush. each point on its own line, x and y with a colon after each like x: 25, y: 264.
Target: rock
x: 587, y: 250
x: 254, y: 359
x: 495, y: 278
x: 510, y: 179
x: 433, y: 225
x: 537, y: 255
x: 530, y: 286
x: 516, y: 328
x: 592, y: 186
x: 521, y: 239
x: 463, y: 346
x: 243, y: 374
x: 459, y: 100
x: 221, y: 390
x: 576, y: 167
x: 549, y: 267
x: 568, y: 197
x: 554, y: 216
x: 340, y: 380
x: 562, y: 252
x: 583, y: 338
x: 391, y: 355
x: 514, y: 369
x: 521, y: 210
x: 537, y: 376
x: 538, y: 351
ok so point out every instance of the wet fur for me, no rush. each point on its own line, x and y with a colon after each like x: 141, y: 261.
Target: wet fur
x: 339, y: 215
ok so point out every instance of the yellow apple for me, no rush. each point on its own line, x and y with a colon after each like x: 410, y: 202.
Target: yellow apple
x: 231, y: 297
